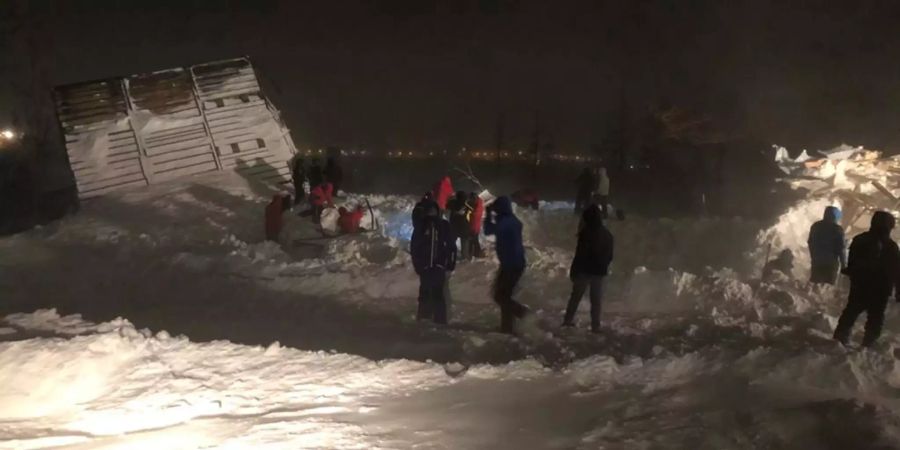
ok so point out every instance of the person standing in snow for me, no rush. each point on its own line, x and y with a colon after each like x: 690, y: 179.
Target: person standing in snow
x: 874, y: 270
x: 442, y: 191
x: 585, y: 184
x: 433, y: 251
x: 298, y: 175
x: 460, y: 215
x: 602, y: 192
x: 475, y: 225
x: 315, y: 175
x: 502, y: 223
x: 590, y: 265
x: 334, y: 174
x: 273, y: 216
x: 826, y: 247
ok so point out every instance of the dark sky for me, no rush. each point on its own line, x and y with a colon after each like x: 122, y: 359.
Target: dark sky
x: 412, y: 73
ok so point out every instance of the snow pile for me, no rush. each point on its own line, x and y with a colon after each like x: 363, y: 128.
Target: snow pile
x: 118, y: 387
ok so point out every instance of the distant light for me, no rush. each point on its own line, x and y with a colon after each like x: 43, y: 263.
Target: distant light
x: 8, y: 134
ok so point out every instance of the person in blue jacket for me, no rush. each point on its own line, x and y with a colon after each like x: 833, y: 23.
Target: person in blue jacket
x: 502, y: 223
x: 433, y: 251
x: 827, y: 248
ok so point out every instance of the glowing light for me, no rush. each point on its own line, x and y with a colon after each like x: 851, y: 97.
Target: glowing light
x: 8, y: 134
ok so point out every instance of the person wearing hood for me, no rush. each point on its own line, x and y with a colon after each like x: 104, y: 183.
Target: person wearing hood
x: 502, y: 223
x: 874, y: 271
x: 443, y: 191
x: 460, y: 215
x: 827, y: 247
x: 590, y: 265
x: 334, y: 174
x: 418, y: 212
x: 433, y: 251
x: 585, y: 184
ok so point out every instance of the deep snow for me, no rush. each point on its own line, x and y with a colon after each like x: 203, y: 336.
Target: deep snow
x: 697, y: 352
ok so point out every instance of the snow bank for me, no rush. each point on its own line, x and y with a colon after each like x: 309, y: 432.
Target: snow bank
x: 118, y: 387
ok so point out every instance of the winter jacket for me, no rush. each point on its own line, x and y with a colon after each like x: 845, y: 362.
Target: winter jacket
x: 585, y: 183
x: 349, y: 220
x: 826, y: 240
x: 315, y: 175
x: 477, y: 215
x: 273, y: 216
x: 433, y: 246
x: 594, y: 252
x: 321, y: 195
x: 602, y: 182
x: 460, y: 214
x: 508, y: 230
x: 298, y: 172
x: 333, y: 173
x: 874, y: 263
x: 443, y: 190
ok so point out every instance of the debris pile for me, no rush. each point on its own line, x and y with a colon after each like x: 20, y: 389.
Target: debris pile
x: 856, y: 180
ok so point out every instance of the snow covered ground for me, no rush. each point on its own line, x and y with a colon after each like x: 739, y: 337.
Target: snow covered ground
x: 159, y: 319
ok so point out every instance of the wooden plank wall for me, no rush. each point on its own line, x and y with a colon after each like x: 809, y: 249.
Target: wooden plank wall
x: 156, y: 127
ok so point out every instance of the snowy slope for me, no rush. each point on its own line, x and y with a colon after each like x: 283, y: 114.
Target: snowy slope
x: 692, y: 357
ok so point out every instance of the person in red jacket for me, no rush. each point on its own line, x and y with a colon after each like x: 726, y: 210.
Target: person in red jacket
x: 349, y: 221
x: 274, y: 211
x: 321, y: 197
x: 475, y: 225
x: 443, y: 190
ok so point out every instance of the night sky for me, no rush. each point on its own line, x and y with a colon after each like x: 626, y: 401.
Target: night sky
x: 429, y: 74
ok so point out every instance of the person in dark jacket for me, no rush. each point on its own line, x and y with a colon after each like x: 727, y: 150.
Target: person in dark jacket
x: 874, y: 270
x: 590, y: 265
x: 298, y: 175
x: 334, y: 174
x: 585, y: 184
x: 315, y: 175
x: 460, y: 216
x: 826, y: 248
x: 433, y: 251
x: 502, y: 223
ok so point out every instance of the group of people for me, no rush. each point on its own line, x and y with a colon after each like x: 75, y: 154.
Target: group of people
x: 873, y: 266
x: 328, y: 179
x: 324, y: 185
x: 439, y: 219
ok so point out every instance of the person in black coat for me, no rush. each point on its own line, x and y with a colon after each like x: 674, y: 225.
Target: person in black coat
x: 590, y: 265
x: 315, y: 175
x: 585, y: 184
x: 874, y: 270
x: 334, y: 174
x: 298, y: 175
x: 433, y: 251
x: 460, y: 221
